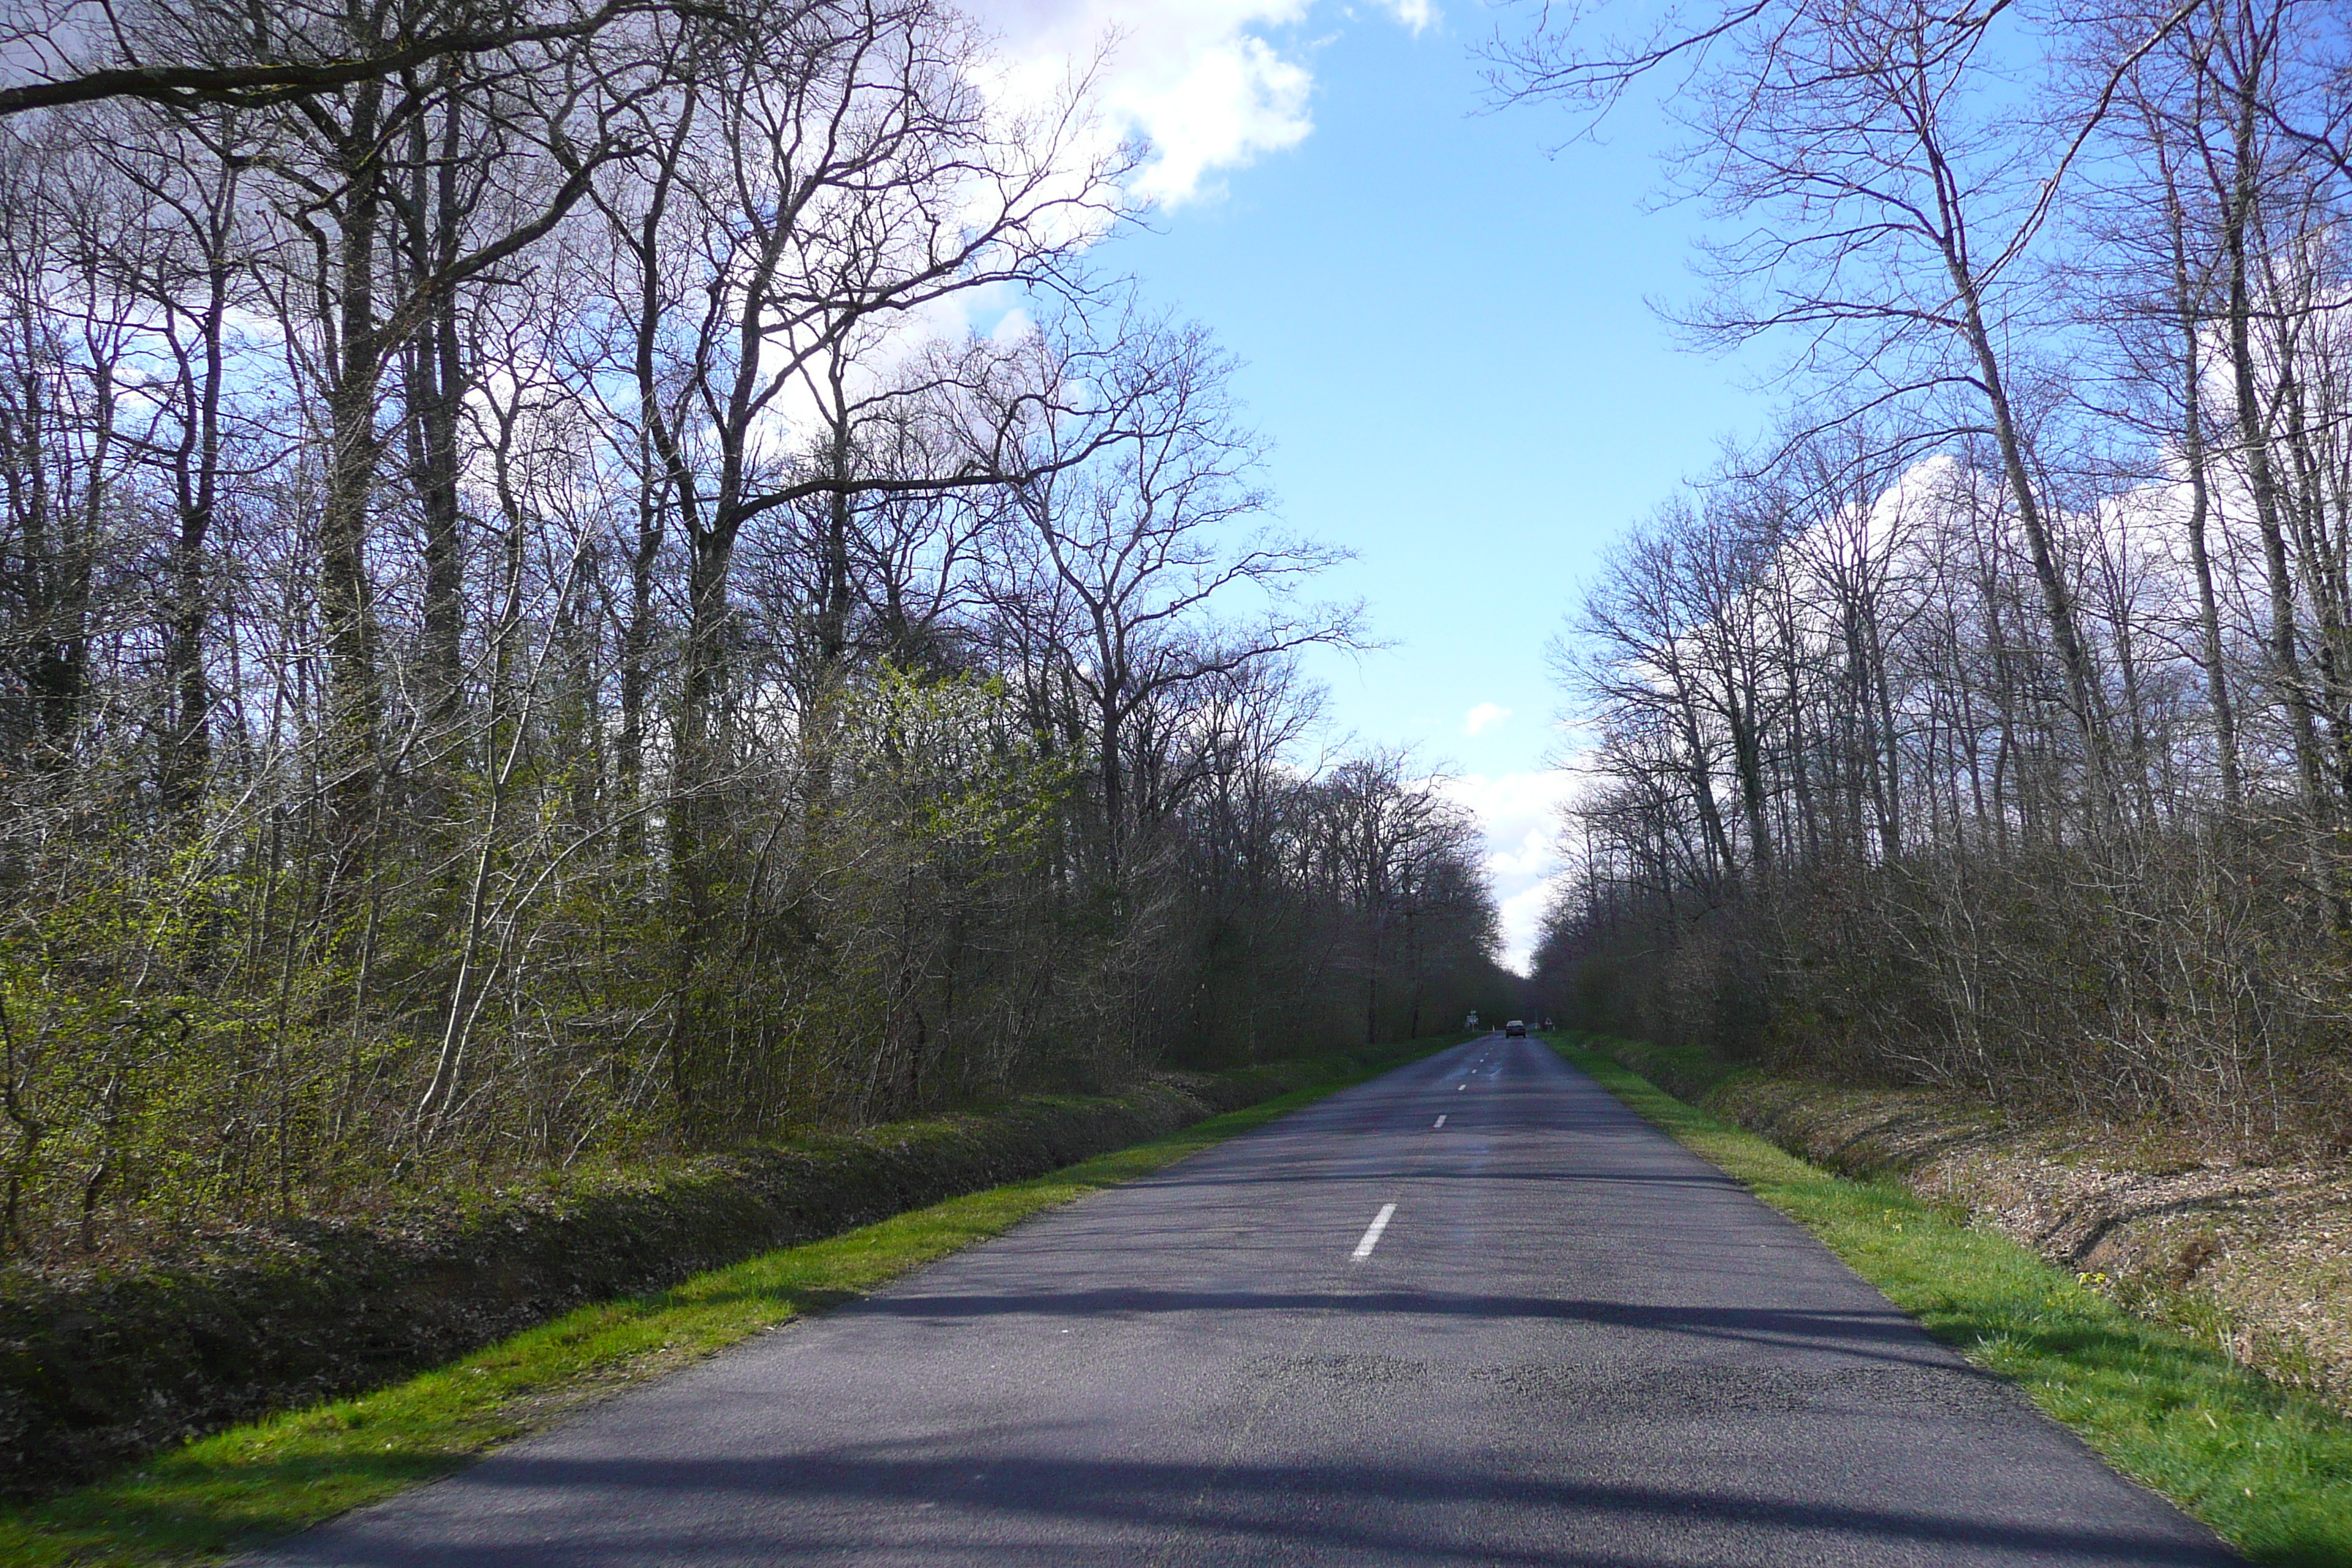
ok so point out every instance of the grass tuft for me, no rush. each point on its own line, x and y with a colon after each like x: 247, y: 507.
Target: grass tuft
x: 252, y: 1484
x: 2269, y: 1468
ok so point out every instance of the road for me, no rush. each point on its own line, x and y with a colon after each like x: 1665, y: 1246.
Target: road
x: 1571, y: 1342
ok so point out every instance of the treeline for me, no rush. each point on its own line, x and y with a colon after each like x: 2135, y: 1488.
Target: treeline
x: 1990, y: 724
x: 584, y: 579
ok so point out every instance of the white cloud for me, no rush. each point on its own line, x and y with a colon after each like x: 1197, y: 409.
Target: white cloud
x: 1199, y: 80
x: 1520, y: 815
x: 1523, y: 914
x: 1233, y: 102
x: 1484, y: 717
x: 1414, y: 13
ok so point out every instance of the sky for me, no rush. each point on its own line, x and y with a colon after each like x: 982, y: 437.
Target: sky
x: 1444, y: 336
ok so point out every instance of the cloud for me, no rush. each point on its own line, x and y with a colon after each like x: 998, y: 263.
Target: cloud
x: 1523, y: 914
x: 1414, y: 13
x: 1520, y: 813
x: 1204, y: 84
x: 1234, y: 101
x: 1484, y: 717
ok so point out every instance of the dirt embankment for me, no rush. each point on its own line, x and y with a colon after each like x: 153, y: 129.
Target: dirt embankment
x: 2256, y: 1257
x: 101, y: 1365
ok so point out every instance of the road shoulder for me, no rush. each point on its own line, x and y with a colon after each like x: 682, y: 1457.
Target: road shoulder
x: 2268, y: 1468
x: 245, y: 1486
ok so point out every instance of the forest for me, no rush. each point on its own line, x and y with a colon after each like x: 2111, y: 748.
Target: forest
x: 588, y: 579
x: 1987, y: 723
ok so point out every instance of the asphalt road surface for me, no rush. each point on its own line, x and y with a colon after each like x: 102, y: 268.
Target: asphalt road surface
x: 1540, y: 1333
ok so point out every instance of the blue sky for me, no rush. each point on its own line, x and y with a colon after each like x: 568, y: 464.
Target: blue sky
x: 1445, y: 339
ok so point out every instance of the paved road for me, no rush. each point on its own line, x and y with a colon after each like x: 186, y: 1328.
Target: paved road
x: 1572, y: 1342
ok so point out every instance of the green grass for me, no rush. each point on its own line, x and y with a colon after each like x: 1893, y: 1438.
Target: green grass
x: 1688, y: 1072
x: 246, y: 1486
x: 2269, y: 1468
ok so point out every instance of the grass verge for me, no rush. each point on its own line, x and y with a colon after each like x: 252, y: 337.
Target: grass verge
x: 2268, y: 1468
x: 242, y: 1486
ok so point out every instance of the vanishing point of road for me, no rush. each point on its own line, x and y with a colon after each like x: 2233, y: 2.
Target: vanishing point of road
x: 1472, y: 1312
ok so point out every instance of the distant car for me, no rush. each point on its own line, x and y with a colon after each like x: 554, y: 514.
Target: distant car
x: 1516, y: 1028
